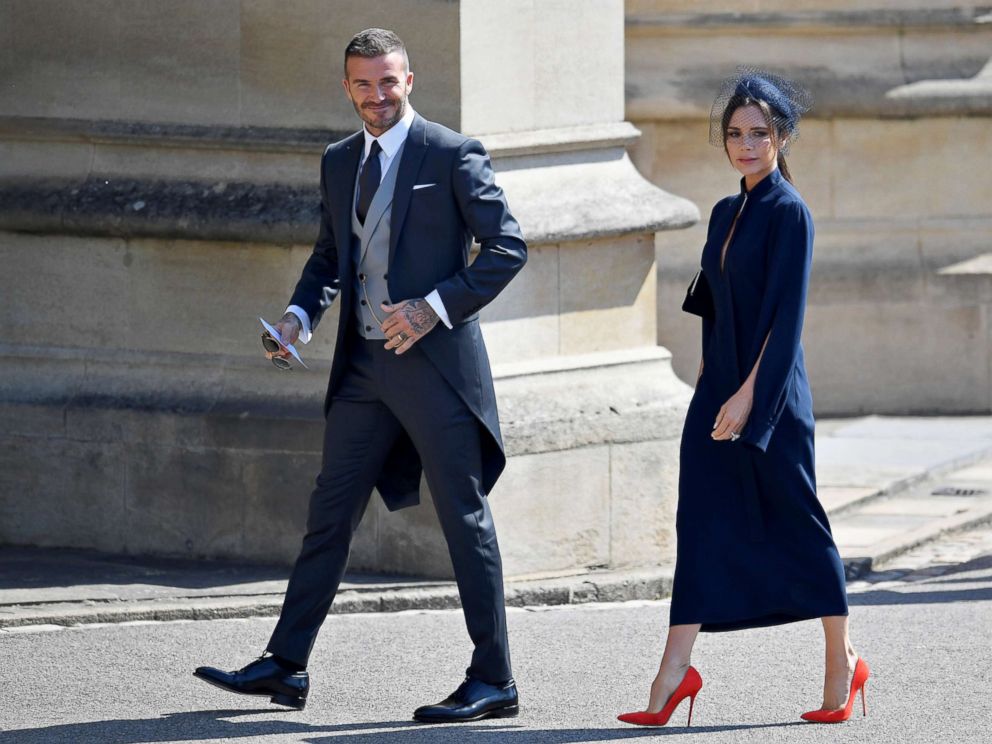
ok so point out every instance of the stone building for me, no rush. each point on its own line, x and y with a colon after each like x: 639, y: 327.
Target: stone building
x: 158, y: 192
x: 894, y: 161
x: 158, y: 170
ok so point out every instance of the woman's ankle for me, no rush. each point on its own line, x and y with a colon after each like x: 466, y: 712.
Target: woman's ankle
x: 672, y: 669
x: 845, y: 656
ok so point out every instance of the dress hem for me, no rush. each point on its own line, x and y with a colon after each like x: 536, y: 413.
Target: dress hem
x: 762, y: 621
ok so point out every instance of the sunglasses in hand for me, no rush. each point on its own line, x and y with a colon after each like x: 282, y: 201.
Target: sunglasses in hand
x: 272, y: 346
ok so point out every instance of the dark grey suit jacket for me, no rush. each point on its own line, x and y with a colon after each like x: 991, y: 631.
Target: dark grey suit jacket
x: 431, y: 234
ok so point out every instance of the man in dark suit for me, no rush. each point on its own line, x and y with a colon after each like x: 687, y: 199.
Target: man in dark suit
x: 410, y: 386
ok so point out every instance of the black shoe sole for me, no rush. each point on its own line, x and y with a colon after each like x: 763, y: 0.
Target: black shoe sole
x: 510, y: 711
x: 290, y: 701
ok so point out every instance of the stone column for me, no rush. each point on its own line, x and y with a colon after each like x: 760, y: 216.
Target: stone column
x: 158, y: 192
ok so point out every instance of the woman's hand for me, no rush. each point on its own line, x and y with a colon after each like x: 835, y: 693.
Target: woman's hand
x: 733, y: 414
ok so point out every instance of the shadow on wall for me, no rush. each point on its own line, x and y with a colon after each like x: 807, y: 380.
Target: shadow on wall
x: 36, y: 568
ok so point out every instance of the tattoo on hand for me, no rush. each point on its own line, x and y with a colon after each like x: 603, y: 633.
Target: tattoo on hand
x: 420, y: 315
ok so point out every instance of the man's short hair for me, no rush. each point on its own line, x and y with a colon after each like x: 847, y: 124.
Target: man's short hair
x: 374, y: 42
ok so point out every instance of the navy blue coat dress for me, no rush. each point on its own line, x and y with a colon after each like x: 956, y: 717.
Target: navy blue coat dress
x: 754, y: 544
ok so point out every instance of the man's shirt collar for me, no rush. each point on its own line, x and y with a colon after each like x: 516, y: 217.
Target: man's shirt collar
x: 392, y: 139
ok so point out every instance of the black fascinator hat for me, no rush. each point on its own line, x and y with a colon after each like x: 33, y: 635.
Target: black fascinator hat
x: 787, y: 101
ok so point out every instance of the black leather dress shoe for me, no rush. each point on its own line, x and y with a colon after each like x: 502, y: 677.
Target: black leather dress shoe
x: 263, y: 676
x: 472, y: 701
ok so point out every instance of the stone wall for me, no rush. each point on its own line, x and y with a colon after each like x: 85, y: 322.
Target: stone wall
x: 893, y: 162
x: 158, y: 192
x: 228, y: 63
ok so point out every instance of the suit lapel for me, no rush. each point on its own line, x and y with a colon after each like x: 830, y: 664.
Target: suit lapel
x: 409, y: 166
x: 344, y: 178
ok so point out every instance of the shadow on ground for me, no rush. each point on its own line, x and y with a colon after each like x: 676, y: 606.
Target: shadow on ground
x: 928, y: 586
x: 205, y: 726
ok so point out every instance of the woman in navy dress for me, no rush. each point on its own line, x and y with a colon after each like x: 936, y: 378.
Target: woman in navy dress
x: 754, y: 544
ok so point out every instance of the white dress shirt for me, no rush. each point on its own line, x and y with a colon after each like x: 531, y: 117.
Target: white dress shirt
x: 390, y: 143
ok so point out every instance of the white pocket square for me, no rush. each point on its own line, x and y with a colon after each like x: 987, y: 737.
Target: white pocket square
x: 423, y: 186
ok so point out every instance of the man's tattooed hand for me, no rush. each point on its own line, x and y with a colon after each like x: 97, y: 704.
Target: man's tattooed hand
x: 407, y: 323
x: 420, y: 315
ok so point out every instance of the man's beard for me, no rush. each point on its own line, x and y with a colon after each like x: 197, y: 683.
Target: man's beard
x: 386, y: 124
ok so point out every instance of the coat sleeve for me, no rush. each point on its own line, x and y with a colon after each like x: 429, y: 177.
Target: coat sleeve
x: 780, y: 319
x: 319, y: 283
x: 502, y: 249
x: 707, y: 323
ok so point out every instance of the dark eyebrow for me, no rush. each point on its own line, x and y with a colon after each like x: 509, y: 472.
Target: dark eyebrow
x: 387, y: 79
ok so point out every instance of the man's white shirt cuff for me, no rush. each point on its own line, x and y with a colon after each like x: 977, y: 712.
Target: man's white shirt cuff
x: 300, y: 313
x: 434, y: 300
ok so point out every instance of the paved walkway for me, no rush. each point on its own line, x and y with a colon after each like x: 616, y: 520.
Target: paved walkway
x: 889, y: 484
x: 922, y: 625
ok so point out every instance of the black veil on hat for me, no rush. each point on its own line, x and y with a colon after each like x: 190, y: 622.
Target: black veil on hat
x: 787, y: 100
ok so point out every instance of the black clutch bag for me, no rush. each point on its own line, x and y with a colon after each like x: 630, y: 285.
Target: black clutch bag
x: 698, y: 298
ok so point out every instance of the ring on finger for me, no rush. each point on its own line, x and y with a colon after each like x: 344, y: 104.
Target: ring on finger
x: 734, y: 436
x: 401, y: 336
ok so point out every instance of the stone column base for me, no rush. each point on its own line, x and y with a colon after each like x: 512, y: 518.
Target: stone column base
x: 591, y: 479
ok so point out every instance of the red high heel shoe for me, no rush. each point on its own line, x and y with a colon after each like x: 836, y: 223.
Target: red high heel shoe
x: 690, y: 685
x: 861, y: 672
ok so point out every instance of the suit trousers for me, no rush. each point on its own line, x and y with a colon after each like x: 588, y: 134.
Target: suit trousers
x: 380, y: 393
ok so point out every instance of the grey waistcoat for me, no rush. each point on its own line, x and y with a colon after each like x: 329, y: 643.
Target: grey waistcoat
x: 370, y: 251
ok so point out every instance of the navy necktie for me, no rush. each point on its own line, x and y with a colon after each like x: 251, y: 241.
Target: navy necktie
x: 368, y: 181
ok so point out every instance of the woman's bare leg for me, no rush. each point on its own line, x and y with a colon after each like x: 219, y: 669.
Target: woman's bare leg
x: 840, y: 660
x: 674, y: 664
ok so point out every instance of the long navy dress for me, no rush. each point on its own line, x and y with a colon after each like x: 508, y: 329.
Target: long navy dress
x: 754, y: 544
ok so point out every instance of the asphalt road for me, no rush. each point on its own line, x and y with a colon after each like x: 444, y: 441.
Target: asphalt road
x: 927, y: 636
